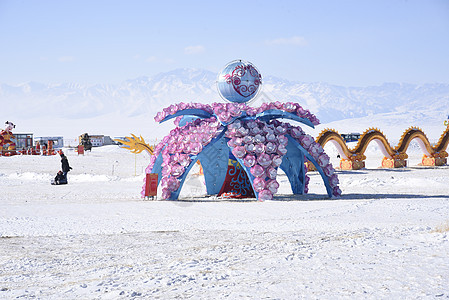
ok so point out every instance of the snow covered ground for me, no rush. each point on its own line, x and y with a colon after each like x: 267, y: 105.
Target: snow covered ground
x: 95, y: 238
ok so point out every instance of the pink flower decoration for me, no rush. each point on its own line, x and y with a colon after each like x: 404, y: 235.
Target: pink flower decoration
x: 255, y: 130
x: 225, y: 117
x: 271, y: 172
x: 265, y: 195
x: 280, y: 129
x: 259, y: 148
x: 258, y: 138
x: 196, y: 148
x: 336, y: 191
x: 250, y: 148
x: 271, y: 137
x: 242, y: 131
x: 260, y: 144
x: 283, y: 140
x: 172, y: 184
x: 306, y: 141
x: 282, y: 150
x: 177, y: 170
x: 235, y: 111
x: 271, y: 147
x: 289, y: 106
x: 333, y: 180
x: 248, y: 139
x: 239, y: 151
x: 184, y: 160
x: 296, y: 132
x: 264, y: 160
x: 257, y: 170
x: 272, y: 186
x: 166, y: 193
x: 258, y: 184
x: 249, y: 160
x: 251, y: 124
x: 166, y: 171
x: 323, y: 160
x: 328, y: 170
x: 235, y: 125
x: 276, y: 161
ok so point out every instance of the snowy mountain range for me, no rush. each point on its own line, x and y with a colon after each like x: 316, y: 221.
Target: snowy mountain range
x: 137, y: 100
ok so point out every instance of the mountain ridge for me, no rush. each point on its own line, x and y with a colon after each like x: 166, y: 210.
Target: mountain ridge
x: 143, y: 96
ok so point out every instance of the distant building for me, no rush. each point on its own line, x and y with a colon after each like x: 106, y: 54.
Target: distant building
x: 58, y: 141
x: 350, y: 137
x: 100, y: 140
x: 23, y: 140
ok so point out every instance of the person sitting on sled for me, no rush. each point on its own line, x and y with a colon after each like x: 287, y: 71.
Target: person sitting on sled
x: 60, y: 179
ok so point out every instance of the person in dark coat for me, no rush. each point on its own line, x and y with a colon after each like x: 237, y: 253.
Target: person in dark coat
x: 61, y: 177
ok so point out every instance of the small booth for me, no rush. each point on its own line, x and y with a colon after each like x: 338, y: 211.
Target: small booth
x: 58, y: 141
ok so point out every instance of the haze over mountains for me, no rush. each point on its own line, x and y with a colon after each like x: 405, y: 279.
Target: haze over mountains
x: 71, y: 109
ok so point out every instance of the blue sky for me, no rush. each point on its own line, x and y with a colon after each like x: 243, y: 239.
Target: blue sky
x: 351, y: 43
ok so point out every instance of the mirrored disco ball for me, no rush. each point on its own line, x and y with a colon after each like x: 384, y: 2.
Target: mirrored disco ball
x: 239, y: 82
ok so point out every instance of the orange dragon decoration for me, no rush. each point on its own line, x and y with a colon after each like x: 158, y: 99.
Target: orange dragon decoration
x: 354, y: 159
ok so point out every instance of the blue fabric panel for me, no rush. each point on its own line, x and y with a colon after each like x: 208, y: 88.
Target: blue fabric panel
x: 293, y: 166
x: 189, y: 112
x: 280, y: 114
x: 214, y: 159
x: 310, y: 158
x: 157, y: 167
